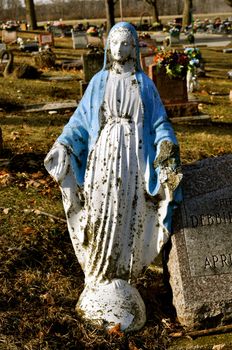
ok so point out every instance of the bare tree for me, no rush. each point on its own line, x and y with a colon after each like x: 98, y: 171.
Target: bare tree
x: 30, y: 13
x: 229, y: 2
x: 187, y: 13
x: 155, y: 11
x: 2, y: 5
x: 109, y: 5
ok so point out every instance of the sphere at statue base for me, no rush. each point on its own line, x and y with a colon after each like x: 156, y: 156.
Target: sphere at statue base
x: 112, y: 303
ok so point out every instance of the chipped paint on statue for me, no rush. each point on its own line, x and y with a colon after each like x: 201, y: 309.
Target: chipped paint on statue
x: 117, y: 165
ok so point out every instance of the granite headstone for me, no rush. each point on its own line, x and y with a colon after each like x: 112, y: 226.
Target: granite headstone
x: 79, y: 40
x: 200, y: 260
x: 92, y: 63
x: 174, y: 38
x: 9, y: 36
x: 46, y: 39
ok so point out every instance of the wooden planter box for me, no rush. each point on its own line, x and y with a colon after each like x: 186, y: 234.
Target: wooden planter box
x: 171, y: 90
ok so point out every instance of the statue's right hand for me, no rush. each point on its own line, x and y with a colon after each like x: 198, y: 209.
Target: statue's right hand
x: 56, y: 161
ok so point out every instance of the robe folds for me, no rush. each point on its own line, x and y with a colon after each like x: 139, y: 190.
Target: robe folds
x: 113, y: 236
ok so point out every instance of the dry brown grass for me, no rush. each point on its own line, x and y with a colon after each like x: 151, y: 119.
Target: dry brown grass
x: 40, y: 276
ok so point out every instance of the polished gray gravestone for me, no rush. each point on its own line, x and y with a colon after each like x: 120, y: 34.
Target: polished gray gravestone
x: 200, y: 260
x: 79, y: 40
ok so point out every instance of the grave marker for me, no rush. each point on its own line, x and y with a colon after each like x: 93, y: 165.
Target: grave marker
x: 200, y: 261
x: 9, y: 37
x: 92, y: 63
x: 174, y: 37
x: 2, y: 46
x: 170, y: 90
x: 46, y: 39
x: 79, y: 40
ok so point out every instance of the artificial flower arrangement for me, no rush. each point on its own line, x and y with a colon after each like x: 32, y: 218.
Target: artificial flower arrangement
x: 176, y: 63
x: 194, y: 56
x: 92, y: 31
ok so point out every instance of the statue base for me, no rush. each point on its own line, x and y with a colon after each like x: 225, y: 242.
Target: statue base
x: 112, y: 303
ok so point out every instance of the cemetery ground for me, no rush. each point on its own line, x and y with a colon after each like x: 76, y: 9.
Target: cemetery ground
x: 40, y: 277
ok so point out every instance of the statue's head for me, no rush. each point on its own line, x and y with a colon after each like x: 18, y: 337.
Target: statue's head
x: 122, y: 45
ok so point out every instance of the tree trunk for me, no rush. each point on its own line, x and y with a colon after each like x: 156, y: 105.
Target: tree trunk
x: 187, y: 13
x: 30, y: 13
x: 109, y: 5
x: 155, y: 12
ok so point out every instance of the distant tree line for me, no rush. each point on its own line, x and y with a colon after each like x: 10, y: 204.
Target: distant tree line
x: 81, y: 9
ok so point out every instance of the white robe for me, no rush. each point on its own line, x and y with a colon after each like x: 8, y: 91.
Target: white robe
x: 119, y: 229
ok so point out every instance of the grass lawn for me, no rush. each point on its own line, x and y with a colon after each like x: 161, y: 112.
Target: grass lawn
x: 40, y: 276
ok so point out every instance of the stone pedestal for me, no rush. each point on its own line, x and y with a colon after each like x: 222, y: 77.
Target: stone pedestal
x: 200, y: 261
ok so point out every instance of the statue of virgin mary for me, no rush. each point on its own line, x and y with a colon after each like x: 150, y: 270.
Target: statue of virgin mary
x: 117, y: 165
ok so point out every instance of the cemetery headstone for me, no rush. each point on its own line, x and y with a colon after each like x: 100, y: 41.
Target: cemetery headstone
x: 56, y: 31
x: 9, y: 36
x: 174, y: 35
x: 23, y: 26
x: 94, y: 41
x: 92, y: 63
x: 200, y: 260
x: 146, y: 60
x: 46, y: 39
x: 170, y: 90
x: 2, y: 46
x: 79, y: 40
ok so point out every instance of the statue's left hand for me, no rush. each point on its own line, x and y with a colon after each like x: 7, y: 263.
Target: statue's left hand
x: 56, y: 161
x: 168, y: 163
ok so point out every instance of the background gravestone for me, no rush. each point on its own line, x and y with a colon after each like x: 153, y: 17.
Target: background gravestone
x: 2, y: 46
x: 79, y: 40
x: 46, y: 39
x: 8, y: 36
x: 92, y: 63
x: 200, y: 260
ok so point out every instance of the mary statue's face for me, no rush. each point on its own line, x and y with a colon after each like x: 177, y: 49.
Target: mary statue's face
x: 121, y: 45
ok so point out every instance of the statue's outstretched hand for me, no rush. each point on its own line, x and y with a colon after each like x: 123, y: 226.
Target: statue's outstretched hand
x: 56, y: 162
x: 167, y: 154
x: 167, y: 161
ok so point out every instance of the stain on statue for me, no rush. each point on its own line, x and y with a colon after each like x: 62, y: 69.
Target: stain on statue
x: 117, y: 165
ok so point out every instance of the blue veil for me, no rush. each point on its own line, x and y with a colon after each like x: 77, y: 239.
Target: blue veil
x: 82, y: 131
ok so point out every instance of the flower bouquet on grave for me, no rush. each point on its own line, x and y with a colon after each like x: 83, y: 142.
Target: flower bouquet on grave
x: 169, y: 72
x: 92, y: 31
x: 194, y: 56
x: 195, y: 64
x: 174, y: 32
x: 173, y: 63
